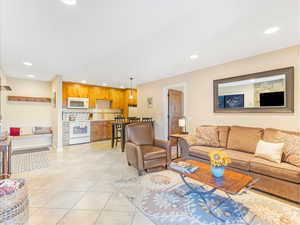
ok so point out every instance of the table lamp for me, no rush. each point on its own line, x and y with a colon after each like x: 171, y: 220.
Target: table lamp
x: 182, y: 124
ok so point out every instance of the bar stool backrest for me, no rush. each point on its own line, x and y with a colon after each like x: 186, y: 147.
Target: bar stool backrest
x: 146, y: 119
x: 133, y: 119
x: 119, y: 119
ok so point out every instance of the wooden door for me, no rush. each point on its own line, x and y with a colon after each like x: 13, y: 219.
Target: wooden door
x: 175, y: 111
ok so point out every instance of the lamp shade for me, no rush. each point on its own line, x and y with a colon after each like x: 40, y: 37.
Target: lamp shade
x: 181, y: 122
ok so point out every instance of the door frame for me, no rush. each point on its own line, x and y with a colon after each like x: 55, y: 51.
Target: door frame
x: 166, y: 103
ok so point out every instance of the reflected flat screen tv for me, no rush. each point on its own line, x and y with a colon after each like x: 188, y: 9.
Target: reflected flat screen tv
x: 272, y: 99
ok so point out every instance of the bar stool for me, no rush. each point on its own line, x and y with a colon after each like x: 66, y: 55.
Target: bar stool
x: 133, y: 119
x: 118, y: 129
x: 146, y: 119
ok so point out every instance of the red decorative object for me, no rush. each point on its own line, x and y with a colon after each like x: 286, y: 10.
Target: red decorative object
x: 14, y: 131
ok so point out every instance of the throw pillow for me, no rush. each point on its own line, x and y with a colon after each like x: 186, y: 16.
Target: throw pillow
x: 291, y: 148
x: 269, y: 151
x: 208, y: 136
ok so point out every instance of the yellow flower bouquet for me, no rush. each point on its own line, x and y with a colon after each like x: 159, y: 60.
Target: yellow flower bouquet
x: 218, y: 159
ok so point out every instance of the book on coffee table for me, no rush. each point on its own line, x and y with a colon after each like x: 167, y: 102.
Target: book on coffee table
x: 183, y: 167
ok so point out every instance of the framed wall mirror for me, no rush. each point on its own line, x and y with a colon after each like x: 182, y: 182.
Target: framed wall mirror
x: 264, y: 92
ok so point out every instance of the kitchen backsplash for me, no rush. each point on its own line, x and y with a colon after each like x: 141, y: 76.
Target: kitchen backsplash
x: 96, y: 114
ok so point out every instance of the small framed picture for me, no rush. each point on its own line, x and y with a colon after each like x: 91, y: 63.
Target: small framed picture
x: 149, y: 102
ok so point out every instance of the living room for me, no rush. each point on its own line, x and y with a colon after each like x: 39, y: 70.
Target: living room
x: 143, y: 113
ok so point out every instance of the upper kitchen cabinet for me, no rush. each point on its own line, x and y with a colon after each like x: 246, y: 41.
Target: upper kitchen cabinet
x: 74, y: 90
x: 119, y: 97
x: 97, y: 93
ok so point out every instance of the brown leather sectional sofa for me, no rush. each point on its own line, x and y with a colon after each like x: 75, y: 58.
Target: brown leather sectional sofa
x: 281, y: 179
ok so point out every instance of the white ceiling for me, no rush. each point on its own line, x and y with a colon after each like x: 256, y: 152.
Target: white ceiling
x: 109, y: 40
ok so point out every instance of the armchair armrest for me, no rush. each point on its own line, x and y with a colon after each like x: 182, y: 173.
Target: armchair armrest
x: 134, y: 155
x: 162, y: 143
x: 166, y: 144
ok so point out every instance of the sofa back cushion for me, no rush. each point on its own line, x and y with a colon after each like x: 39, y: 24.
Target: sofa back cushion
x: 291, y: 140
x: 223, y: 134
x: 208, y: 136
x: 244, y: 138
x: 140, y: 133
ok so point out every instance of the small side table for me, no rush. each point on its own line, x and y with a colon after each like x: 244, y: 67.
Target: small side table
x: 177, y: 137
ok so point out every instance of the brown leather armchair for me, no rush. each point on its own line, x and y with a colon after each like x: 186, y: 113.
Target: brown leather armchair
x: 143, y: 150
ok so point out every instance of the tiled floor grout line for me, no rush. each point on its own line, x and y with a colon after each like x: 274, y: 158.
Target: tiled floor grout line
x: 103, y: 208
x: 69, y: 210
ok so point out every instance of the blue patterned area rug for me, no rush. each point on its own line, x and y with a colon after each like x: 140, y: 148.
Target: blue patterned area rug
x: 163, y: 198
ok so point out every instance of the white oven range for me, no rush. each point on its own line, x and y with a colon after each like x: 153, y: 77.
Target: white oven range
x: 79, y: 132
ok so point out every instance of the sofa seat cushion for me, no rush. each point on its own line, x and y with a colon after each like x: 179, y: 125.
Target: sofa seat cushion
x: 282, y: 171
x: 202, y: 151
x: 153, y: 152
x: 239, y: 160
x: 244, y: 138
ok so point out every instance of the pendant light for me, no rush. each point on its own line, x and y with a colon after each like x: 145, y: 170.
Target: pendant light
x: 131, y: 87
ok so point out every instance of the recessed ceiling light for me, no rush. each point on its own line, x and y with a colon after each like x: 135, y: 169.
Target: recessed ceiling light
x: 195, y: 56
x: 122, y: 86
x: 104, y: 84
x: 69, y: 2
x: 31, y: 76
x: 27, y: 63
x: 271, y: 30
x: 83, y: 81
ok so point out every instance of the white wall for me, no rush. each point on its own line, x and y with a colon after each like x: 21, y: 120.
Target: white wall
x: 199, y: 94
x: 56, y: 112
x: 2, y: 98
x: 27, y: 114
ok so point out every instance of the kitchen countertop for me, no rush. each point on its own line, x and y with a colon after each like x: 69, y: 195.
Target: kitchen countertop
x: 88, y: 120
x: 100, y: 120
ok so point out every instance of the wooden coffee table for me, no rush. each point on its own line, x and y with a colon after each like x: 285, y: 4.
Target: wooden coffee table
x: 232, y: 183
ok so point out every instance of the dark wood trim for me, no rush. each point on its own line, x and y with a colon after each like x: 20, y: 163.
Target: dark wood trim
x: 28, y: 99
x: 132, y: 105
x: 289, y: 108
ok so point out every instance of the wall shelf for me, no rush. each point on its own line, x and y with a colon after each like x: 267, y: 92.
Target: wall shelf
x: 28, y: 99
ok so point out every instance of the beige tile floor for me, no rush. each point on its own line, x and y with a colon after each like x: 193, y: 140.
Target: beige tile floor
x: 76, y: 189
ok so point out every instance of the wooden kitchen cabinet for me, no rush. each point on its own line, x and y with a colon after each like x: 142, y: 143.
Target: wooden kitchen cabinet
x: 119, y: 97
x: 100, y: 130
x: 97, y: 93
x: 75, y: 91
x: 108, y: 129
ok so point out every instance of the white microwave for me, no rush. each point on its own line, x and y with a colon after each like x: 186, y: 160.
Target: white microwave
x: 78, y: 103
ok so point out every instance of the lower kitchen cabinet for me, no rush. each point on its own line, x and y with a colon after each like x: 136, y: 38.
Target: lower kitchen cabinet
x: 100, y: 130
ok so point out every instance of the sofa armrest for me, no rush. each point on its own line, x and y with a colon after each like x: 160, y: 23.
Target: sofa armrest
x: 186, y: 142
x: 166, y: 144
